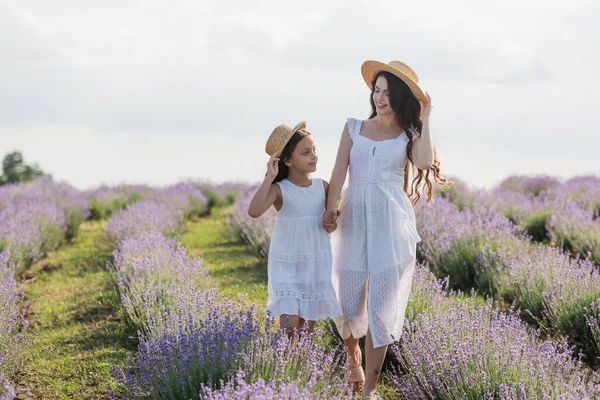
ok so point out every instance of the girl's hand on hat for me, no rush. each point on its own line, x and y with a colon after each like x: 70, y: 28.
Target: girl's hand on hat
x: 272, y: 167
x: 426, y: 106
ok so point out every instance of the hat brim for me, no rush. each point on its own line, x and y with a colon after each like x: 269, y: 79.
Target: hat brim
x: 371, y: 68
x: 276, y: 150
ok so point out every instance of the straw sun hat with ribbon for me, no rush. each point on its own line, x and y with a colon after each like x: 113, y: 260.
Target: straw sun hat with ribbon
x: 371, y: 68
x: 280, y: 136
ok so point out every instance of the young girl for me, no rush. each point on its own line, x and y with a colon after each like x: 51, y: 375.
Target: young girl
x: 299, y: 267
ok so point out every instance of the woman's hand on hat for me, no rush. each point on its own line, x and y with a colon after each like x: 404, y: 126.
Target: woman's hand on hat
x: 426, y: 106
x: 272, y: 167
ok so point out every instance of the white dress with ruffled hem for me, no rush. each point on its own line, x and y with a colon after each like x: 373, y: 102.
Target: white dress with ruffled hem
x: 300, y: 259
x: 374, y: 246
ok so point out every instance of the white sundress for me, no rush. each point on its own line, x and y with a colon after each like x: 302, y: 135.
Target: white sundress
x: 299, y: 265
x: 374, y: 246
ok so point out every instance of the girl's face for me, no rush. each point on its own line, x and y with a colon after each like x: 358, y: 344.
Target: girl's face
x: 304, y: 157
x: 381, y: 97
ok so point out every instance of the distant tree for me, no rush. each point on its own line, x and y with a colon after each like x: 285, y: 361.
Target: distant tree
x: 15, y: 170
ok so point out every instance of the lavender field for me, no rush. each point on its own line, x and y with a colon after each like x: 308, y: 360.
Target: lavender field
x: 505, y: 301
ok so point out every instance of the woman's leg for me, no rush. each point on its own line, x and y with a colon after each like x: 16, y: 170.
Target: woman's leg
x: 354, y: 358
x: 374, y: 361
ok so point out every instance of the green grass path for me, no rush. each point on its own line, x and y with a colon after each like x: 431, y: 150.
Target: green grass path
x: 234, y: 266
x: 76, y: 333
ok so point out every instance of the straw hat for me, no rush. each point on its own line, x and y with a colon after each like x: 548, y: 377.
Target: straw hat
x: 280, y: 136
x: 371, y: 68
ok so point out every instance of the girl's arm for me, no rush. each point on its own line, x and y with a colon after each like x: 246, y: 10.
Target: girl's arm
x: 422, y: 148
x: 267, y: 193
x: 329, y: 222
x: 340, y: 169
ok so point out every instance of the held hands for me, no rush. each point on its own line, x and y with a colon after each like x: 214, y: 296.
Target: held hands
x: 426, y: 107
x: 330, y: 220
x: 272, y: 168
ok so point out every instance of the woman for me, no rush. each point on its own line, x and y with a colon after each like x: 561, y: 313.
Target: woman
x: 375, y: 243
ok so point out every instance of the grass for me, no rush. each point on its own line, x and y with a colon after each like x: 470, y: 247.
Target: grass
x: 76, y: 331
x: 236, y: 268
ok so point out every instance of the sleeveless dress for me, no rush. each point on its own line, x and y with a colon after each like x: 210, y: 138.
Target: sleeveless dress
x: 299, y: 264
x: 374, y: 246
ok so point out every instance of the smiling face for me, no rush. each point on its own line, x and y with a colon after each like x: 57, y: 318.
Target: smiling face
x: 381, y: 96
x: 304, y: 157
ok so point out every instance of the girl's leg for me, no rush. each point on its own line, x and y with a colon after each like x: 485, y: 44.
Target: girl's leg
x: 289, y: 323
x: 374, y: 362
x: 354, y: 357
x: 311, y: 324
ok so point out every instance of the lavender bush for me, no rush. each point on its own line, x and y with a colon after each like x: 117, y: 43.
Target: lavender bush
x: 12, y: 323
x: 254, y: 231
x: 7, y: 391
x: 276, y: 358
x: 478, y: 352
x: 104, y: 200
x: 31, y: 228
x: 145, y: 217
x: 191, y: 353
x: 38, y: 216
x: 529, y: 185
x: 557, y: 291
x: 154, y: 274
x: 238, y: 388
x: 465, y: 245
x: 576, y: 230
x: 187, y: 198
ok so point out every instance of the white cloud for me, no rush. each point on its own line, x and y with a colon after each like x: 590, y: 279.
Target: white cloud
x: 506, y: 77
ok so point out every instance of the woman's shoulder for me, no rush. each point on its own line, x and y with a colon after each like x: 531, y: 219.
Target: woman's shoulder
x: 353, y: 126
x: 352, y: 120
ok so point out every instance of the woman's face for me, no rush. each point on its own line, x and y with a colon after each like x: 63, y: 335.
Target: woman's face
x: 381, y: 97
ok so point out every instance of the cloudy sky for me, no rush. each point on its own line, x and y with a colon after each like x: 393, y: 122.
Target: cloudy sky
x: 157, y: 91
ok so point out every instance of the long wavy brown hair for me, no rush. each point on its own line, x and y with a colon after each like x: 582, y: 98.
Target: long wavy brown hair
x: 408, y: 109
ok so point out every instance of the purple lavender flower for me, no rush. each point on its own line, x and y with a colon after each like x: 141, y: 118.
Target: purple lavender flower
x: 276, y: 358
x: 585, y: 190
x: 105, y: 200
x: 7, y: 391
x: 154, y: 273
x: 576, y: 230
x: 254, y: 231
x: 530, y: 185
x: 12, y: 322
x: 145, y: 217
x: 557, y: 291
x: 238, y: 388
x: 30, y: 228
x: 186, y: 198
x: 427, y: 292
x: 191, y: 352
x: 470, y: 351
x: 465, y: 244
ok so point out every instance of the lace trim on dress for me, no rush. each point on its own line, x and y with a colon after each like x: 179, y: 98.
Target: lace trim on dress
x: 299, y: 257
x: 303, y: 296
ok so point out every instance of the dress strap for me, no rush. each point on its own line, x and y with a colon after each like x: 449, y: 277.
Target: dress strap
x: 353, y: 127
